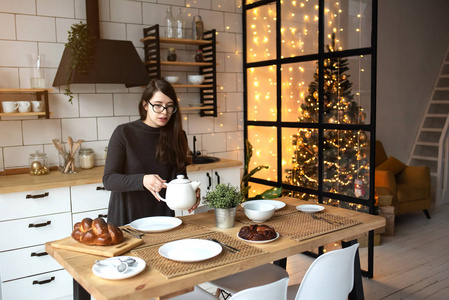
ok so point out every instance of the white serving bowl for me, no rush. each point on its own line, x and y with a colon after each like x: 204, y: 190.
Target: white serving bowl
x: 195, y: 79
x: 171, y: 79
x: 259, y: 212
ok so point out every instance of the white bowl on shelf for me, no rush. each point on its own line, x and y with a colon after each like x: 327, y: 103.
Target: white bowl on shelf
x: 171, y: 79
x: 259, y: 212
x: 195, y: 79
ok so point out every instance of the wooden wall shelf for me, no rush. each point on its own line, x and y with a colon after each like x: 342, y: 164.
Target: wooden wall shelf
x: 40, y: 95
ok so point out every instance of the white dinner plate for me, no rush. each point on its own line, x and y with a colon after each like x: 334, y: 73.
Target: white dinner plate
x: 260, y: 242
x: 107, y: 271
x: 310, y: 208
x: 156, y: 224
x: 190, y: 250
x: 277, y: 204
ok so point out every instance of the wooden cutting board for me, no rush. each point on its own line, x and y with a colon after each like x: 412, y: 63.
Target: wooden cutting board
x: 69, y: 243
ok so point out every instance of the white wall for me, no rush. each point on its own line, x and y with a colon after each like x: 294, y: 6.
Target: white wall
x: 40, y: 26
x: 412, y: 40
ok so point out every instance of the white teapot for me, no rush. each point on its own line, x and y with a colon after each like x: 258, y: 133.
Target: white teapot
x: 181, y: 193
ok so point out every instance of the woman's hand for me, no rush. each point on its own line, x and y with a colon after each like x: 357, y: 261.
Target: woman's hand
x: 154, y: 184
x: 198, y: 200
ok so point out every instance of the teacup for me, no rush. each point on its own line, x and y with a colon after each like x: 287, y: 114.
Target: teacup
x: 10, y: 106
x: 24, y: 106
x: 36, y: 106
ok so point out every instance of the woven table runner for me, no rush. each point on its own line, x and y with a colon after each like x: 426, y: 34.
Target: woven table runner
x: 241, y: 217
x: 183, y: 231
x: 301, y: 226
x: 173, y: 268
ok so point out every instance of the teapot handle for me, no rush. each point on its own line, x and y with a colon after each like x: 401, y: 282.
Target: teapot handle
x: 160, y: 197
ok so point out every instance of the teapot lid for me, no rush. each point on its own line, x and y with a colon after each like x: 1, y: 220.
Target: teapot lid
x: 180, y: 179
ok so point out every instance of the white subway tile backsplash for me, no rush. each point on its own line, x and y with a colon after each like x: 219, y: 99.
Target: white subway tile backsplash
x: 205, y: 4
x: 52, y: 154
x: 239, y: 82
x: 17, y: 157
x: 212, y: 20
x: 15, y: 53
x: 53, y: 53
x: 126, y: 11
x: 172, y: 2
x: 233, y: 22
x: 106, y: 126
x: 111, y: 88
x: 234, y: 102
x: 227, y: 82
x: 113, y: 31
x: 200, y: 125
x: 233, y: 62
x: 18, y: 6
x: 40, y: 131
x: 214, y: 142
x: 134, y: 33
x: 62, y: 29
x: 34, y: 28
x: 239, y: 43
x: 126, y: 104
x: 7, y: 27
x: 82, y: 88
x: 10, y: 133
x: 224, y: 5
x: 83, y: 128
x: 225, y: 122
x: 221, y: 102
x: 92, y: 105
x: 234, y: 141
x: 62, y: 108
x: 10, y: 78
x: 154, y: 14
x: 226, y: 42
x: 220, y: 59
x: 56, y: 8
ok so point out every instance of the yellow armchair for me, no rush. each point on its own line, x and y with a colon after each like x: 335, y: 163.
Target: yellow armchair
x: 409, y: 185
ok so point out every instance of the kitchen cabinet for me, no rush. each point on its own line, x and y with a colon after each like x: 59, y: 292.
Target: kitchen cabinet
x: 211, y: 178
x: 154, y: 64
x: 26, y: 95
x: 27, y: 221
x: 89, y: 201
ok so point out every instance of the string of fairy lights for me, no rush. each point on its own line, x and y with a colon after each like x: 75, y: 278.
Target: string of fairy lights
x: 299, y: 36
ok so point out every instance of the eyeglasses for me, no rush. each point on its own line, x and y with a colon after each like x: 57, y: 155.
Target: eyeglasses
x: 158, y: 108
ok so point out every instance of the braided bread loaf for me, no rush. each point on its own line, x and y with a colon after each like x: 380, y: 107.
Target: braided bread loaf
x: 97, y: 232
x: 257, y: 233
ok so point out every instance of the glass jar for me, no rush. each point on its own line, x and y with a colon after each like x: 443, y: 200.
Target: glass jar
x: 38, y: 163
x: 199, y: 55
x: 86, y: 157
x: 171, y: 54
x: 197, y: 28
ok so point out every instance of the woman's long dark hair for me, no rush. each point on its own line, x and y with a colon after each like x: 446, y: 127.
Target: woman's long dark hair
x: 172, y: 148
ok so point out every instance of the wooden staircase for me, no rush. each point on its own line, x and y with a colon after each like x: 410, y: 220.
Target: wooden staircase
x: 431, y: 146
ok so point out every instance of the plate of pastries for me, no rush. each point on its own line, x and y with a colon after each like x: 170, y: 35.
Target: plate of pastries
x: 258, y: 233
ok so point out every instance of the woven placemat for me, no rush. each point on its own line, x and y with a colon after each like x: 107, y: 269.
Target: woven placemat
x: 287, y: 209
x: 301, y: 226
x: 173, y: 268
x: 185, y: 230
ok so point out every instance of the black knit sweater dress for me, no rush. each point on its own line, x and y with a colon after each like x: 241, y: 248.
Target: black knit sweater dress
x: 131, y: 155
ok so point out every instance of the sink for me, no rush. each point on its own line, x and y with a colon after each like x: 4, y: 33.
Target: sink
x: 198, y: 160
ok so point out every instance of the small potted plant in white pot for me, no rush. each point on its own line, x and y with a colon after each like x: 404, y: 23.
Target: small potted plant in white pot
x: 224, y: 198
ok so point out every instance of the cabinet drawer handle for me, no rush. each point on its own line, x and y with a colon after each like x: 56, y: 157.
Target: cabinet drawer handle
x: 210, y: 180
x: 100, y: 188
x: 39, y: 254
x: 39, y: 225
x: 218, y: 177
x: 102, y: 216
x: 44, y: 281
x: 37, y: 196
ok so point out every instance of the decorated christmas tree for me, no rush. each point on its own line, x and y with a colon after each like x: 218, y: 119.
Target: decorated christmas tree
x: 346, y: 152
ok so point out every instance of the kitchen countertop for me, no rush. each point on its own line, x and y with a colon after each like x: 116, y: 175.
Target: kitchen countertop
x: 54, y: 179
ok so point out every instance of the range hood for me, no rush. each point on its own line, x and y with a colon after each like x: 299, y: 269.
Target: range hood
x: 113, y: 62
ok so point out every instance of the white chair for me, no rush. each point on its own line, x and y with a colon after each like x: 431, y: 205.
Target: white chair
x: 273, y: 291
x: 330, y: 276
x: 250, y: 278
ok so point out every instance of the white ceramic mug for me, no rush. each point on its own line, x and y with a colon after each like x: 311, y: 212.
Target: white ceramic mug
x: 10, y: 106
x: 24, y: 106
x: 36, y: 106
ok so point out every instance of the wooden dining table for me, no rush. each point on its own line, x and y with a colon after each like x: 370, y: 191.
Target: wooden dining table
x: 152, y: 283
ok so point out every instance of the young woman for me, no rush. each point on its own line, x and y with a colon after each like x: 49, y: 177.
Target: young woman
x: 144, y: 154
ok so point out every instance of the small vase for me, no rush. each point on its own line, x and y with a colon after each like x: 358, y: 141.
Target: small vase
x: 225, y: 217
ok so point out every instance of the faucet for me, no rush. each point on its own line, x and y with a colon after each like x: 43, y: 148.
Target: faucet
x: 195, y: 153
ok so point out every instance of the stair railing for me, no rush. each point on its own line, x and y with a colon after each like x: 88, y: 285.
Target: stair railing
x: 441, y: 190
